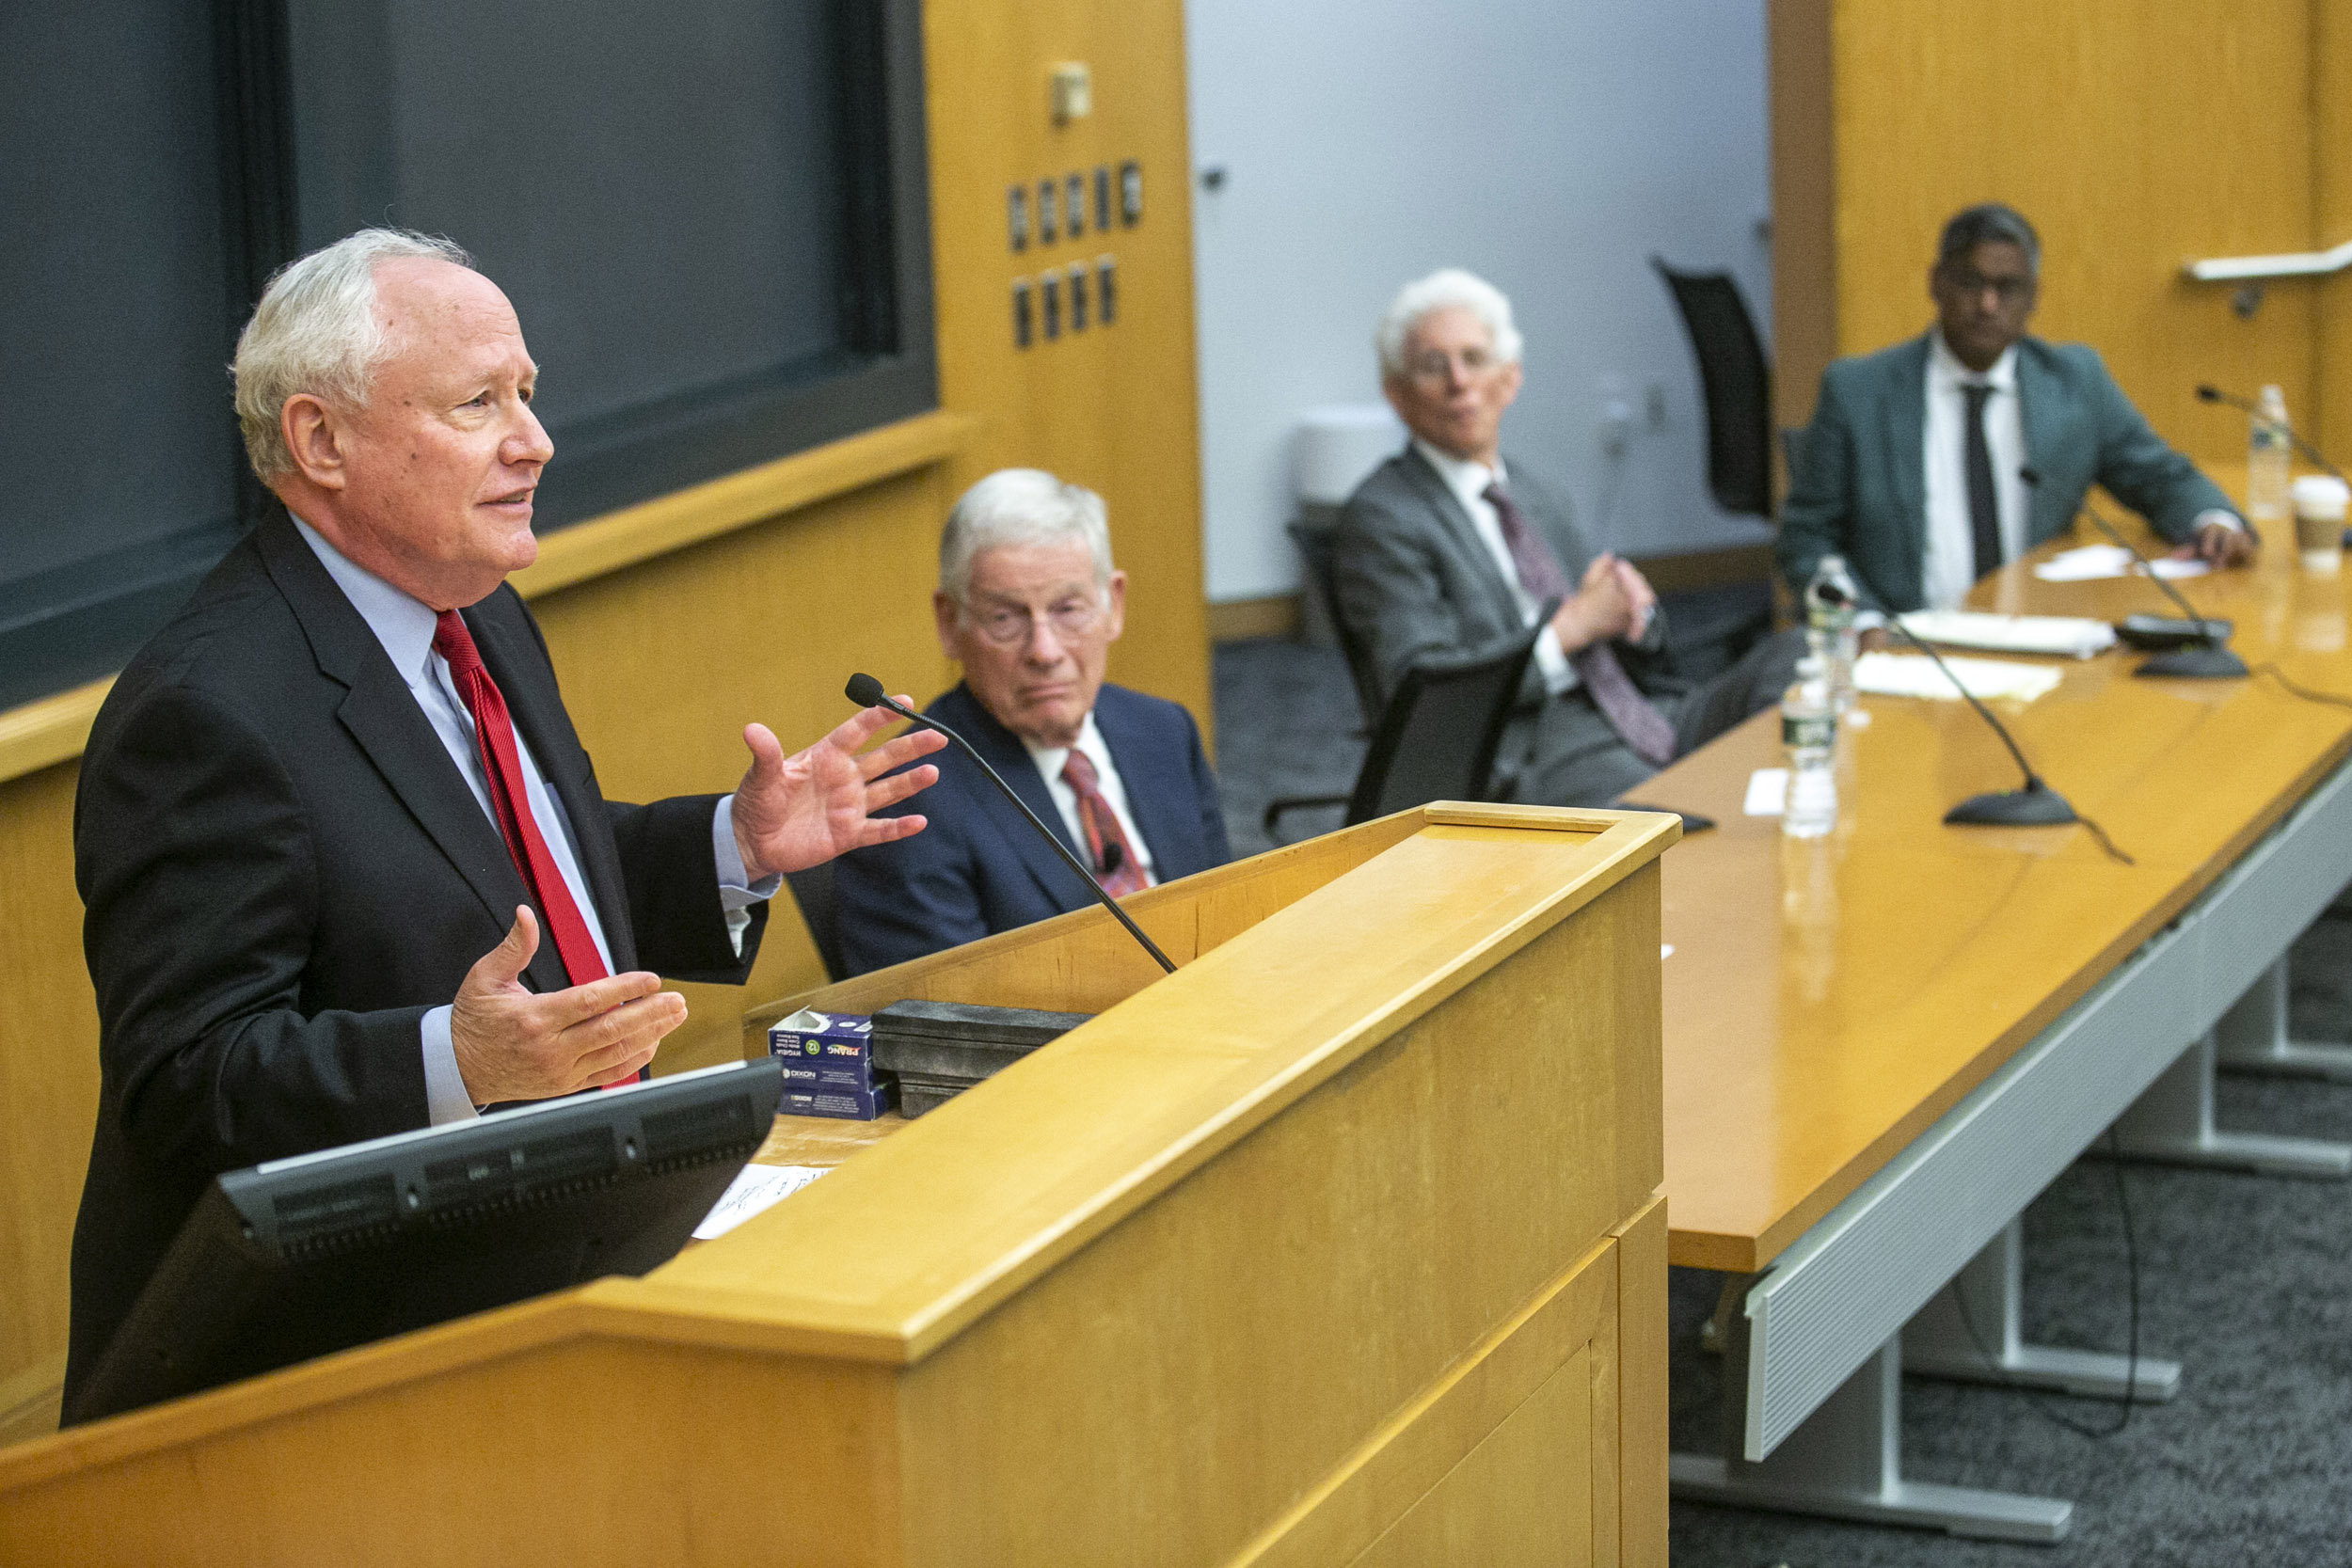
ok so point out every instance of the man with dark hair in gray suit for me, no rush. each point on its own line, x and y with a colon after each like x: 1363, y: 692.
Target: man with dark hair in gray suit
x: 1448, y: 549
x: 1931, y: 463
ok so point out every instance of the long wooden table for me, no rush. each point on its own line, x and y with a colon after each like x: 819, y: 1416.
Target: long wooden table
x: 1881, y: 1044
x: 1340, y: 1244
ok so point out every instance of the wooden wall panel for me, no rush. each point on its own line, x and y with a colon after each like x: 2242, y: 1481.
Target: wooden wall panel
x: 1111, y: 408
x: 48, y: 1086
x: 663, y: 662
x: 1804, y: 206
x: 2331, y: 423
x: 2135, y: 136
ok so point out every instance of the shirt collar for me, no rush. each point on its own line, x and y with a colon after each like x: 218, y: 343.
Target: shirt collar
x: 1466, y: 477
x: 1049, y: 759
x: 1944, y: 366
x: 402, y: 624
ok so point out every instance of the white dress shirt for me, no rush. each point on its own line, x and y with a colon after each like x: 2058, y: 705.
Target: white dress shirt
x: 1468, y: 481
x: 1049, y: 760
x: 1949, y: 569
x: 404, y: 627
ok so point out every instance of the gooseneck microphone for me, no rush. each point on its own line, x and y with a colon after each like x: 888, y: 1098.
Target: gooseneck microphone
x: 2035, y: 805
x: 2206, y: 658
x: 2208, y: 392
x: 865, y: 691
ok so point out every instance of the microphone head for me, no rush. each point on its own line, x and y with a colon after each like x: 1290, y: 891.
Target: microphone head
x: 2208, y: 392
x: 865, y: 691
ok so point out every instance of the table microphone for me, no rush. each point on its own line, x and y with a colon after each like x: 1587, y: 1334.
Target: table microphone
x: 2208, y: 659
x: 865, y: 691
x: 2034, y: 805
x: 2208, y: 392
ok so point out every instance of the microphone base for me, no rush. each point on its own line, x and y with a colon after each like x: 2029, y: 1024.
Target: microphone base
x: 2036, y: 806
x: 2208, y: 663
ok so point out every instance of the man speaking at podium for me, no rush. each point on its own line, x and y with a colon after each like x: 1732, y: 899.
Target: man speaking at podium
x: 347, y: 868
x: 1934, y: 462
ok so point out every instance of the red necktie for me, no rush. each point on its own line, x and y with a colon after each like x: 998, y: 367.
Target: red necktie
x: 1115, y: 864
x: 510, y: 803
x: 1647, y: 731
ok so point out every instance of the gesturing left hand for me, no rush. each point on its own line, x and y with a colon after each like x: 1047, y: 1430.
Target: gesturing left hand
x: 792, y: 813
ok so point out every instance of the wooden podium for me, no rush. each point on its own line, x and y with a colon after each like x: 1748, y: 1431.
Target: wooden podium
x: 1342, y: 1244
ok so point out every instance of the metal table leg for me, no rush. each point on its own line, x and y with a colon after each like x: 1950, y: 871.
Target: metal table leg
x: 2254, y: 1036
x: 1973, y: 1332
x: 2172, y: 1122
x: 1845, y: 1460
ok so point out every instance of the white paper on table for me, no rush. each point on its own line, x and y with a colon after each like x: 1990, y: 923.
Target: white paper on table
x: 755, y: 1188
x: 1884, y: 675
x: 1768, y: 792
x: 2094, y: 561
x: 2055, y: 636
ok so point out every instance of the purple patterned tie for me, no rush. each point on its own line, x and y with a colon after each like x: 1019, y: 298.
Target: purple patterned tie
x: 1647, y: 732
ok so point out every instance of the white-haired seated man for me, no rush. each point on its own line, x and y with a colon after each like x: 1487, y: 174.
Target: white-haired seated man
x: 1448, y: 548
x: 1029, y: 603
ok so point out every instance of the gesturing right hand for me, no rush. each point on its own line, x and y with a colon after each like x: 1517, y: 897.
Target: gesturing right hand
x: 513, y: 1043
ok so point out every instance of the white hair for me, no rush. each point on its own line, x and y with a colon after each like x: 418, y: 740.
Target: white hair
x: 1020, y: 506
x: 1448, y: 288
x: 316, y: 331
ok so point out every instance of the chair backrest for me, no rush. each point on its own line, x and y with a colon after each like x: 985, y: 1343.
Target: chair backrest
x: 1738, y: 380
x: 1438, y: 738
x: 1318, y: 550
x: 812, y: 890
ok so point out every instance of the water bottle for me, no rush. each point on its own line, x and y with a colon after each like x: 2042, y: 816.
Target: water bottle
x: 1830, y: 628
x: 1808, y: 735
x: 2269, y: 462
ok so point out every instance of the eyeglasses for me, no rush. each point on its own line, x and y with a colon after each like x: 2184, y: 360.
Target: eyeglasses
x: 1009, y: 625
x: 1435, y: 367
x: 2008, y: 290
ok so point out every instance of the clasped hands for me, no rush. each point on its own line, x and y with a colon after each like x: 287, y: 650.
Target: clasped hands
x: 1613, y: 601
x: 790, y: 812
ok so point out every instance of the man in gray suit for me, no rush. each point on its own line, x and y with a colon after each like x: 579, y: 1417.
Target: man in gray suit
x: 1929, y: 464
x: 1448, y: 549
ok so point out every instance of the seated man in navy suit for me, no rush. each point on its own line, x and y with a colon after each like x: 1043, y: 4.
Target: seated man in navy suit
x: 1029, y: 603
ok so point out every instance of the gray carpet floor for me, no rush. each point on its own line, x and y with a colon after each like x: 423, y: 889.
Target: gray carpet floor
x: 2246, y: 1281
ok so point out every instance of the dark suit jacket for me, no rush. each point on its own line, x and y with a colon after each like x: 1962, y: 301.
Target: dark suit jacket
x: 1415, y: 580
x: 978, y: 868
x: 282, y: 871
x: 1859, y: 488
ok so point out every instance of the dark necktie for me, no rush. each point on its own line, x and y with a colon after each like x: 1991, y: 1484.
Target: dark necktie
x: 1647, y: 732
x: 1113, y: 857
x: 1984, y: 516
x: 510, y: 803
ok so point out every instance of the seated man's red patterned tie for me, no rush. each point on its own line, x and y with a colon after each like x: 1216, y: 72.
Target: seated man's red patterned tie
x: 1112, y: 857
x: 510, y: 803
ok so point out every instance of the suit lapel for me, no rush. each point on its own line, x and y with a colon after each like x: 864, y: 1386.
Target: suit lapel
x: 1905, y: 406
x: 517, y: 666
x: 1501, y: 602
x: 1165, y: 833
x: 382, y: 718
x: 1011, y: 758
x: 2037, y: 402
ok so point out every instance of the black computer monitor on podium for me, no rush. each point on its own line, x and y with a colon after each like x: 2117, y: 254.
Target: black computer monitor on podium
x: 297, y: 1258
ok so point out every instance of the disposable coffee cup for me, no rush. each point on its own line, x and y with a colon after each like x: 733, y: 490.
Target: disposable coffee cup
x: 2320, y: 503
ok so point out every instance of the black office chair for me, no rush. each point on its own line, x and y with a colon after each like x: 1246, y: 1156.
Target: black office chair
x: 812, y: 890
x: 1318, y: 551
x: 1738, y: 380
x: 1437, y: 737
